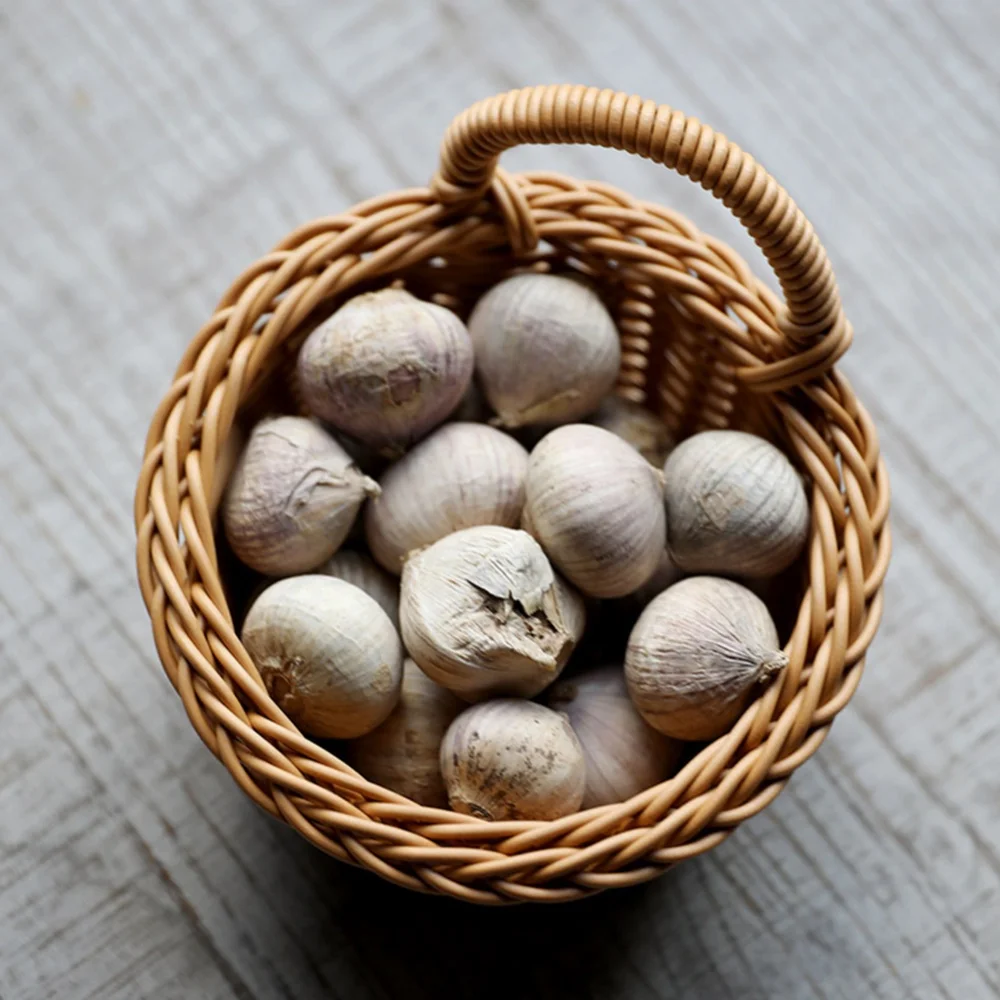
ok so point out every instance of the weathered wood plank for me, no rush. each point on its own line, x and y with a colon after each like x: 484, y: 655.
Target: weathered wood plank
x: 150, y: 152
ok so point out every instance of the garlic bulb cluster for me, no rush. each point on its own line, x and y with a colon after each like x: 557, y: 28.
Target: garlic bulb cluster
x: 328, y: 654
x: 483, y: 614
x: 293, y: 497
x: 547, y: 350
x: 696, y: 655
x: 624, y: 755
x: 642, y: 428
x: 386, y: 368
x: 735, y: 506
x: 479, y: 546
x: 513, y: 759
x: 361, y: 571
x: 596, y: 505
x: 404, y: 753
x: 461, y: 476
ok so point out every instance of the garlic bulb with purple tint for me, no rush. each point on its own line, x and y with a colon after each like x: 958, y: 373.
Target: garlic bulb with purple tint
x: 460, y: 476
x: 386, y: 368
x: 293, y: 497
x: 547, y: 350
x: 697, y: 655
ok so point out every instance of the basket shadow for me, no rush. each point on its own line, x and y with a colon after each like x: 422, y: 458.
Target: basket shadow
x: 415, y: 945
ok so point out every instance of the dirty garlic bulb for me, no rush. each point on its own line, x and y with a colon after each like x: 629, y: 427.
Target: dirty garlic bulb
x: 642, y: 428
x: 327, y: 653
x: 697, y: 654
x: 404, y: 753
x: 547, y: 350
x: 624, y: 754
x: 513, y: 759
x: 386, y: 368
x: 483, y: 614
x: 735, y: 505
x: 356, y: 568
x: 460, y: 476
x: 293, y: 497
x: 596, y: 505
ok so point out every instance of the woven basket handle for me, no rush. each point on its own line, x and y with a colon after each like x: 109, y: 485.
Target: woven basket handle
x: 585, y: 115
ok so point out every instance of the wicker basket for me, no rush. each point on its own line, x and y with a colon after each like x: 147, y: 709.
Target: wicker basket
x: 705, y: 344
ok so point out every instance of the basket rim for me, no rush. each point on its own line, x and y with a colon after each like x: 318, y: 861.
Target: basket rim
x: 431, y: 850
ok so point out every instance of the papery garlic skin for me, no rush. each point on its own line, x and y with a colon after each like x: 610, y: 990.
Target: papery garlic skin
x: 624, y: 754
x: 697, y: 655
x: 328, y: 654
x: 358, y: 569
x: 513, y: 759
x: 460, y: 476
x: 293, y: 497
x: 386, y: 368
x: 735, y: 505
x: 404, y: 752
x: 596, y: 506
x: 483, y: 614
x: 547, y: 350
x: 641, y: 428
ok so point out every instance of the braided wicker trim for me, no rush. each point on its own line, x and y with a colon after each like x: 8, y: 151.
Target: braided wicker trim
x: 705, y: 342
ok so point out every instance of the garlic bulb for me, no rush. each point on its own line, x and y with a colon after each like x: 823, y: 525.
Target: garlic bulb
x: 696, y: 655
x: 735, y: 505
x: 357, y: 569
x: 327, y: 653
x: 596, y: 505
x: 460, y: 476
x: 483, y: 614
x: 386, y: 368
x: 513, y: 759
x: 624, y: 755
x: 547, y: 350
x: 642, y: 428
x: 293, y: 497
x: 404, y: 753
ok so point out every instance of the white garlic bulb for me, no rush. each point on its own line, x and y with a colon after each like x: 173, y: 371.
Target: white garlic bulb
x: 460, y: 476
x: 547, y: 350
x: 386, y: 368
x: 624, y: 754
x: 327, y: 653
x: 735, y: 506
x: 697, y: 654
x: 642, y: 428
x: 483, y: 614
x: 404, y: 753
x: 513, y: 759
x: 596, y: 505
x: 357, y: 569
x: 293, y: 497
x: 665, y: 575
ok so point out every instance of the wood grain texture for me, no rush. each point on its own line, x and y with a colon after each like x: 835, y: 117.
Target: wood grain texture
x: 150, y: 152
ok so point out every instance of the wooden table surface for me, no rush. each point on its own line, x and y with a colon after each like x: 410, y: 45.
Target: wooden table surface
x: 147, y: 153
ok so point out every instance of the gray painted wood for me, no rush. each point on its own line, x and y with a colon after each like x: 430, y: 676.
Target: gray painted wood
x: 149, y: 152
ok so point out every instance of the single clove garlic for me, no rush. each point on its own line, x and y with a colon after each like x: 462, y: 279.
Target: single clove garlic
x: 293, y: 498
x: 460, y: 476
x: 697, y: 654
x: 328, y: 654
x: 547, y: 350
x: 386, y: 368
x: 483, y: 614
x: 513, y: 759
